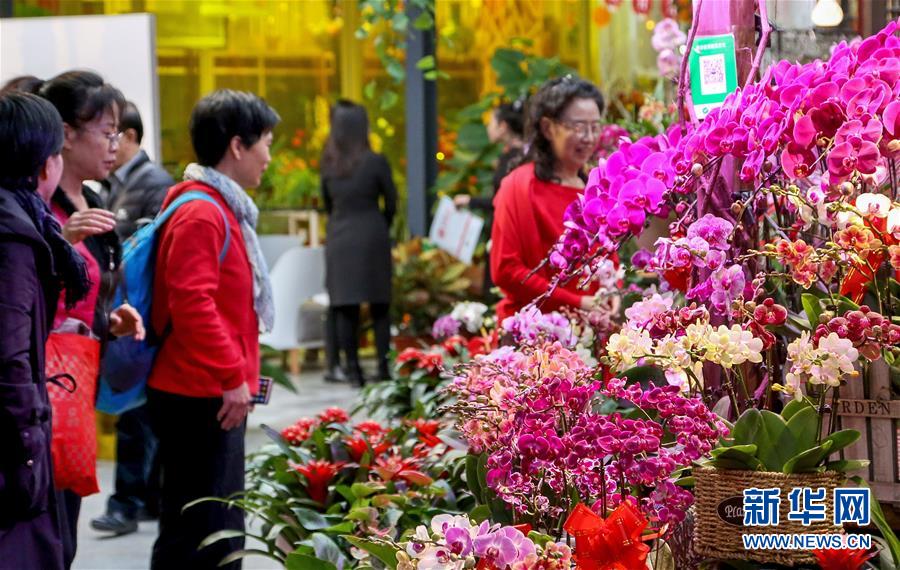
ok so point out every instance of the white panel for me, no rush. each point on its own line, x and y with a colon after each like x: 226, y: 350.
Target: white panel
x: 121, y: 48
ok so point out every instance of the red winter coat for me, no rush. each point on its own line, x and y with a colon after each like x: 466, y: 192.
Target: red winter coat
x: 528, y: 220
x: 213, y: 344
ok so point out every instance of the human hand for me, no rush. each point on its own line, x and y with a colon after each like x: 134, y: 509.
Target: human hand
x: 235, y: 407
x: 86, y: 223
x: 462, y: 200
x: 126, y: 321
x: 588, y: 302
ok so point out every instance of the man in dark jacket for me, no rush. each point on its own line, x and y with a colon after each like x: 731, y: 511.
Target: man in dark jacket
x: 136, y: 191
x: 138, y: 186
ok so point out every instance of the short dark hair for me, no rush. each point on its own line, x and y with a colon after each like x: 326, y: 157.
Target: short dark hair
x: 348, y: 140
x: 513, y: 114
x: 31, y: 131
x: 81, y: 96
x: 225, y: 114
x: 131, y: 119
x: 25, y: 83
x: 551, y: 101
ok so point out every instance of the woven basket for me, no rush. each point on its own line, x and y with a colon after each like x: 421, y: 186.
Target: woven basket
x: 717, y: 539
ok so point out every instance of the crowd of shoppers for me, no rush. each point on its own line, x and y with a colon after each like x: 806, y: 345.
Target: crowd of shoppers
x: 61, y: 252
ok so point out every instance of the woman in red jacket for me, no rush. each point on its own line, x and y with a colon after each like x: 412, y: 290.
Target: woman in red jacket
x: 209, y: 309
x: 563, y: 130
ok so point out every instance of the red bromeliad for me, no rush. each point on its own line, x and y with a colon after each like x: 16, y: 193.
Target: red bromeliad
x: 842, y: 559
x: 394, y: 467
x: 319, y: 474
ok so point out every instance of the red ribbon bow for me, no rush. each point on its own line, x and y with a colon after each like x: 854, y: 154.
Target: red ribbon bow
x: 613, y: 543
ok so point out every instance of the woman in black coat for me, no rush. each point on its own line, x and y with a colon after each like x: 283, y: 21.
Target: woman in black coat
x: 36, y: 264
x: 358, y: 245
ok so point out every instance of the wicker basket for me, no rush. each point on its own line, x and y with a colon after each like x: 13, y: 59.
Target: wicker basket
x: 718, y: 539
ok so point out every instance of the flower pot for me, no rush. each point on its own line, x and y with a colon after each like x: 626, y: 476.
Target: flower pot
x: 719, y: 510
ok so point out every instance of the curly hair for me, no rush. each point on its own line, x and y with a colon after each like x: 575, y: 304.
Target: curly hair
x: 551, y: 101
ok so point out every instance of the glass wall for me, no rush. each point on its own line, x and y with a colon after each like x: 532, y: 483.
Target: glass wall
x: 302, y: 55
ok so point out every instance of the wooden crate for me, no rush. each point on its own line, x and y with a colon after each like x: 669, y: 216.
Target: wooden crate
x: 866, y: 406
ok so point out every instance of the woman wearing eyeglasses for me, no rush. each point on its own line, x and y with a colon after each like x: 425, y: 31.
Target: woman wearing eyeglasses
x: 562, y: 132
x: 90, y: 110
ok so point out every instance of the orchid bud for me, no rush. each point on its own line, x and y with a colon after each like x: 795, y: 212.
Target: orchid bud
x: 737, y: 207
x: 697, y: 169
x: 846, y: 188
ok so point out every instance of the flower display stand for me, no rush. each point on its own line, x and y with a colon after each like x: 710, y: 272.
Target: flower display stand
x: 720, y: 518
x: 867, y: 407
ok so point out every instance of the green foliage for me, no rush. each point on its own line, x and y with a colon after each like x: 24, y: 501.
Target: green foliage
x: 470, y: 169
x: 787, y: 443
x: 388, y: 23
x: 383, y: 492
x: 427, y: 283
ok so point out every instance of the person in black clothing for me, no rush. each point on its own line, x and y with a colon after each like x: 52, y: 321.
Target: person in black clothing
x: 358, y: 247
x: 137, y: 189
x: 507, y: 129
x: 137, y: 186
x: 36, y: 264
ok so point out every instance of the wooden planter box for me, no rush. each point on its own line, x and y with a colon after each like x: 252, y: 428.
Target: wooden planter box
x: 866, y: 406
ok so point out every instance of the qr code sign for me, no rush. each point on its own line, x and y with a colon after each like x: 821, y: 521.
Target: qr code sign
x: 712, y: 74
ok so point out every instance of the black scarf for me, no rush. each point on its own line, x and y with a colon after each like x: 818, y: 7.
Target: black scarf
x: 68, y: 265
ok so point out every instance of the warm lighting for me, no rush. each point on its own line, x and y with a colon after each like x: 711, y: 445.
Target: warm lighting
x: 439, y: 156
x: 650, y: 25
x: 827, y: 14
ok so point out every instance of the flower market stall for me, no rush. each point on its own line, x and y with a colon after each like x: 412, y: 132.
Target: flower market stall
x: 708, y: 401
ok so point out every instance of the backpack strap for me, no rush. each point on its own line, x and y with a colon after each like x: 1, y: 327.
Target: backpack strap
x: 190, y: 197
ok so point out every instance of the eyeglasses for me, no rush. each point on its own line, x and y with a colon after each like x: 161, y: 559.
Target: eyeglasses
x: 583, y: 128
x: 112, y: 138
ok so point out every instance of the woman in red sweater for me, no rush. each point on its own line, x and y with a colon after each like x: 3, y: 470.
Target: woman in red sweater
x: 563, y: 130
x: 210, y: 308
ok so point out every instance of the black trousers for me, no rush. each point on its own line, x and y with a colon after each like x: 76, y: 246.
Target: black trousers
x: 69, y: 507
x: 197, y: 459
x: 347, y: 317
x: 137, y: 465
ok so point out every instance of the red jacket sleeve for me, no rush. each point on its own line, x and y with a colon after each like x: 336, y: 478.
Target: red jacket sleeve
x: 191, y: 246
x: 512, y: 240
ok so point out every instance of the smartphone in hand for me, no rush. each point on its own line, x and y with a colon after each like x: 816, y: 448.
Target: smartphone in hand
x: 265, y: 391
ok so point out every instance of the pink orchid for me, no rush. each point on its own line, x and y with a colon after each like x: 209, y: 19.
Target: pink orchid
x: 797, y: 160
x: 854, y: 149
x: 727, y: 139
x: 644, y: 193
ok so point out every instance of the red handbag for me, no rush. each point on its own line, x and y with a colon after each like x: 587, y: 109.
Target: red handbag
x: 74, y: 443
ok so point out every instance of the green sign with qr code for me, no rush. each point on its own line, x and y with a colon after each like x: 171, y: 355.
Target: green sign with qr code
x: 713, y: 72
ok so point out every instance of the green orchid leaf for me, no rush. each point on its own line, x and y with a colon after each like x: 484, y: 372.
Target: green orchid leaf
x: 841, y: 439
x: 803, y: 427
x: 383, y: 552
x: 812, y: 308
x: 793, y: 407
x: 738, y: 457
x: 746, y: 427
x: 774, y: 442
x: 748, y: 449
x: 808, y: 460
x: 847, y: 465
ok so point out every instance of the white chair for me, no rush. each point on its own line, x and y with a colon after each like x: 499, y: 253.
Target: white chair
x: 297, y: 276
x: 274, y: 245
